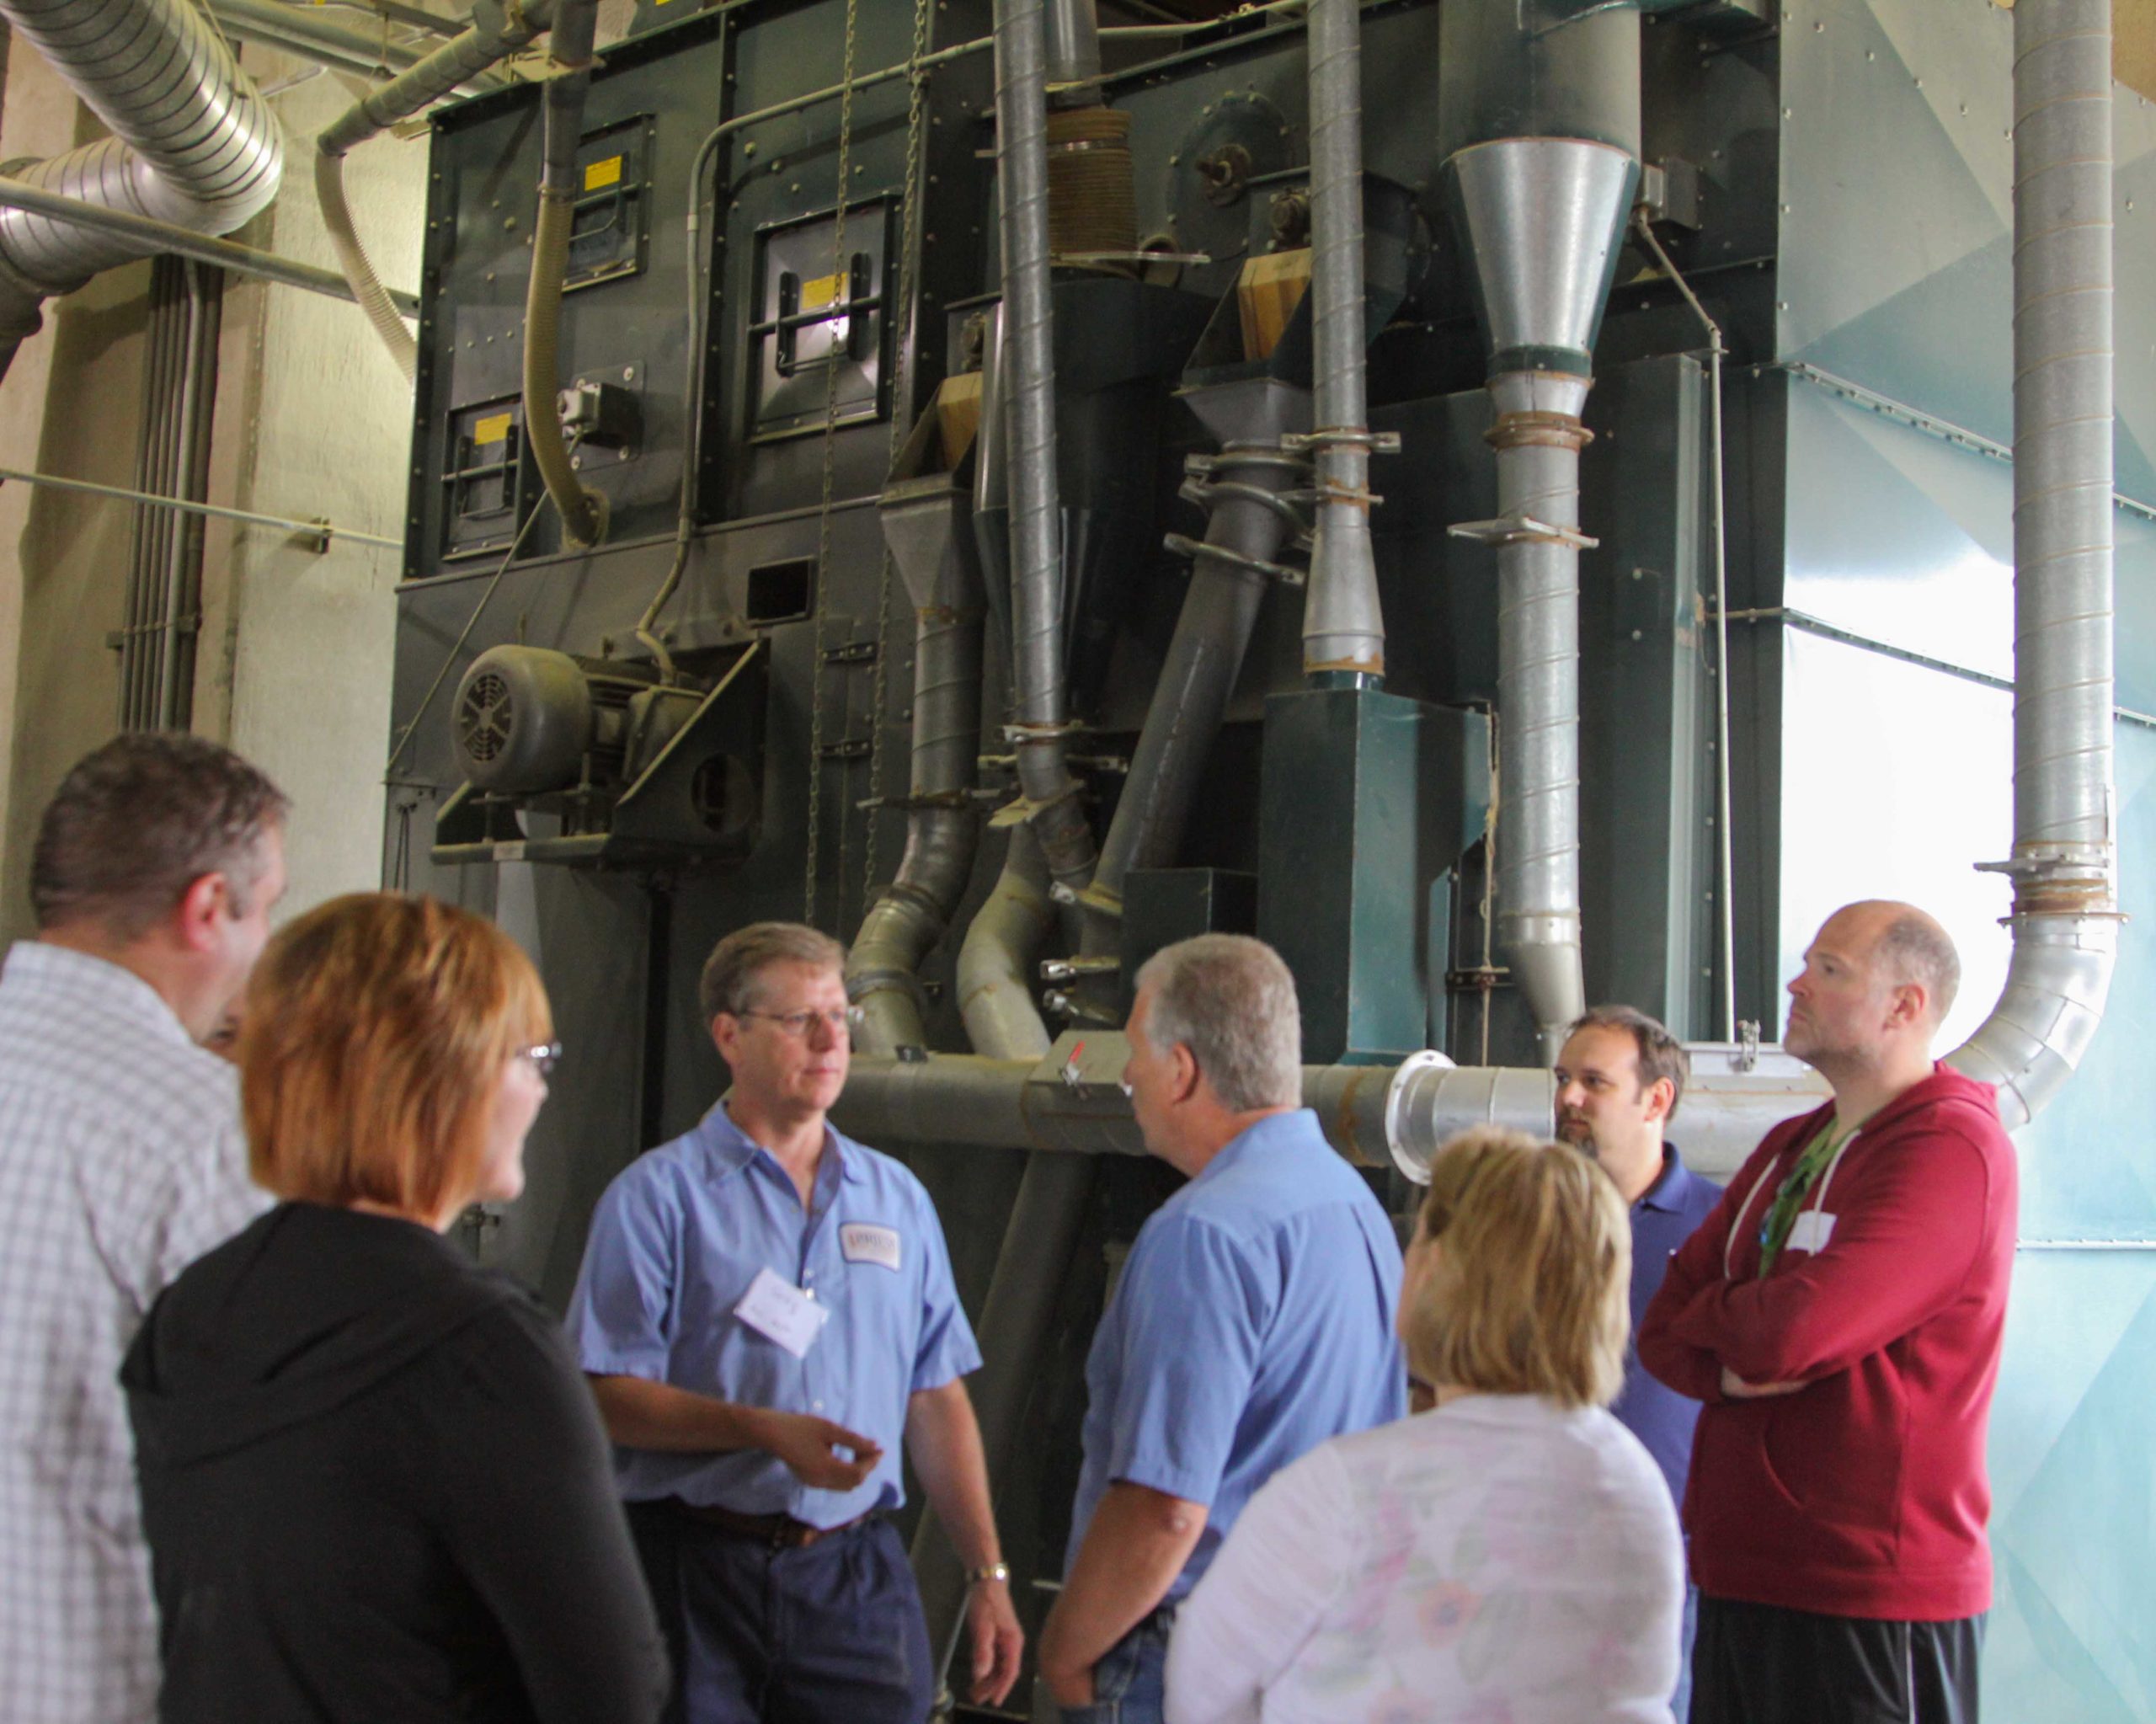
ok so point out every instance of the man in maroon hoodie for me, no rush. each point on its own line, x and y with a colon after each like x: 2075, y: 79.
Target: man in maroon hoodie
x: 1840, y: 1313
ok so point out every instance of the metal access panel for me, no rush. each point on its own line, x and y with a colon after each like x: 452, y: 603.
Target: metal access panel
x: 821, y: 309
x: 624, y: 312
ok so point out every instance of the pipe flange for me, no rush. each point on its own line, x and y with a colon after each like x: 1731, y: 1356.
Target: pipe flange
x: 1396, y: 1099
x: 1547, y: 430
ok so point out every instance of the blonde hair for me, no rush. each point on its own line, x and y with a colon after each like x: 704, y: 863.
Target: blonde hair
x: 376, y: 1029
x: 1526, y: 1293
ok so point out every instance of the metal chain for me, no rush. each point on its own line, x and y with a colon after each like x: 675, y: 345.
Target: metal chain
x: 901, y: 400
x: 842, y: 285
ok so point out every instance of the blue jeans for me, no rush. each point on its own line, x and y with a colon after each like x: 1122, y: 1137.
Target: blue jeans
x: 1130, y: 1683
x: 831, y: 1634
x: 1680, y: 1703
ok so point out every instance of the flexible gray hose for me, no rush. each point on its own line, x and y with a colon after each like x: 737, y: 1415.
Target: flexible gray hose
x: 1039, y: 731
x: 569, y: 48
x: 193, y: 143
x: 1343, y: 625
x: 2065, y: 922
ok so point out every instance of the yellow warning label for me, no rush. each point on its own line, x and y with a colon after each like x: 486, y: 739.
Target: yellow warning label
x: 603, y: 173
x: 821, y: 291
x: 492, y: 428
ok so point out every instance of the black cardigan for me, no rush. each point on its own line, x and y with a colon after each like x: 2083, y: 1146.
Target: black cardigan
x: 375, y: 1487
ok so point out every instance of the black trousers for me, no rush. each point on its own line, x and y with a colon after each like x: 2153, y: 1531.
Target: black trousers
x: 1758, y: 1664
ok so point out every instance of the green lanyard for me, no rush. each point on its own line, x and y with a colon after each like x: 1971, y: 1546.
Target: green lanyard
x: 1789, y: 1196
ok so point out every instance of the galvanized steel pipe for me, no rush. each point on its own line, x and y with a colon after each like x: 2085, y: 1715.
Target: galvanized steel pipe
x: 1040, y: 730
x: 194, y: 144
x: 2065, y: 920
x: 1538, y: 437
x: 1343, y: 624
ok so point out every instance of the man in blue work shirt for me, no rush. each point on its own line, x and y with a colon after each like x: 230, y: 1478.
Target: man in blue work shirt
x: 766, y: 1308
x: 1253, y: 1320
x: 1619, y: 1077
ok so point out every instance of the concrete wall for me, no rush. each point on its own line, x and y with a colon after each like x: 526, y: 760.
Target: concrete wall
x: 312, y: 421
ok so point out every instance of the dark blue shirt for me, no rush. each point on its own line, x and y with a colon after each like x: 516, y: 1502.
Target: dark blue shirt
x: 1661, y: 1220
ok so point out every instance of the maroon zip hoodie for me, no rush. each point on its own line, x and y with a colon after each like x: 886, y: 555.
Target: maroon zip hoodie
x: 1863, y: 1493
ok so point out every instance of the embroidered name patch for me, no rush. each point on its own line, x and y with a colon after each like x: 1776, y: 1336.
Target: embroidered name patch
x: 866, y: 1242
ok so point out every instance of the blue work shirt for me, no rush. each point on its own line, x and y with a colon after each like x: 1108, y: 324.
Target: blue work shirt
x: 1253, y: 1320
x: 675, y: 1242
x: 1663, y: 1220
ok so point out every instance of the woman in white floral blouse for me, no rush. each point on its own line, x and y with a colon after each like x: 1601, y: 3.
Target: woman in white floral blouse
x: 1508, y: 1556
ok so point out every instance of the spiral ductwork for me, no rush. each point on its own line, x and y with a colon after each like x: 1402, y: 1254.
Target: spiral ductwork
x: 194, y: 143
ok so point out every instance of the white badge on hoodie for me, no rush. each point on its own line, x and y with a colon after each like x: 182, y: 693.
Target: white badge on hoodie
x: 1811, y: 1231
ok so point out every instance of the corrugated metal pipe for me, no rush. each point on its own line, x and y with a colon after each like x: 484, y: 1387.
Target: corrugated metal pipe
x: 1343, y: 625
x: 193, y: 143
x: 1541, y: 128
x: 1040, y: 730
x: 569, y: 57
x: 2065, y: 919
x: 496, y: 32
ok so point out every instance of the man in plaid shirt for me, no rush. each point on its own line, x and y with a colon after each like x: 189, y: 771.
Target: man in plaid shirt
x: 121, y: 1161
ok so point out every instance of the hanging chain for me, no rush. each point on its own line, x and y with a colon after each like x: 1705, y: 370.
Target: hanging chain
x: 842, y: 285
x: 901, y: 402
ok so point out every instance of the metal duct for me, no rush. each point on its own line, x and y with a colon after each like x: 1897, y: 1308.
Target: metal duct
x: 1040, y: 731
x: 1343, y: 625
x: 1240, y: 488
x: 453, y: 64
x: 2065, y: 918
x: 193, y: 144
x: 1542, y: 130
x: 1069, y: 1103
x: 1073, y: 28
x: 927, y: 525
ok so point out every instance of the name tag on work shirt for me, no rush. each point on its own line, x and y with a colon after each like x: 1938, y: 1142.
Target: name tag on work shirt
x: 1811, y: 1231
x: 865, y: 1242
x: 782, y: 1314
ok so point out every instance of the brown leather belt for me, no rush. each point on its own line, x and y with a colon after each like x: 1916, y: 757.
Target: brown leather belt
x: 780, y: 1532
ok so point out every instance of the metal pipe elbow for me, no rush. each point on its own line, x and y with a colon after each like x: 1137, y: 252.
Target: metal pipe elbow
x: 2057, y: 982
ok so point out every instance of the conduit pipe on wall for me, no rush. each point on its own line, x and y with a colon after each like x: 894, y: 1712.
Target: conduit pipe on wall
x: 2065, y: 917
x: 569, y: 58
x: 1541, y: 132
x: 194, y: 144
x: 1343, y: 625
x: 303, y: 31
x: 1040, y: 731
x: 501, y: 32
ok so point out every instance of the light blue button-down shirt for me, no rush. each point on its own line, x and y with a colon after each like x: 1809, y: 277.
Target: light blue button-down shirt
x: 675, y: 1244
x: 1253, y: 1320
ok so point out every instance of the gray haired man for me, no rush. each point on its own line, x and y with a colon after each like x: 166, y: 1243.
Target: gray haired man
x: 157, y: 866
x: 1253, y: 1320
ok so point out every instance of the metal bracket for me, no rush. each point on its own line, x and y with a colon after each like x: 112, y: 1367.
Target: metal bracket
x: 1064, y: 969
x: 1342, y: 437
x: 1184, y: 546
x: 1748, y: 1044
x: 1522, y: 530
x: 852, y: 749
x: 850, y: 652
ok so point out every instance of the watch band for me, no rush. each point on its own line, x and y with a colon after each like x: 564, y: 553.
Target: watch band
x: 993, y: 1570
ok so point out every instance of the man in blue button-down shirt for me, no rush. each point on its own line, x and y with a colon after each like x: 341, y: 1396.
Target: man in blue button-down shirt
x: 1619, y: 1077
x: 1253, y: 1320
x: 766, y: 1309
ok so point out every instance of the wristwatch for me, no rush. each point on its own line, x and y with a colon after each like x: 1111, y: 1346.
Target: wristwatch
x: 993, y: 1570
